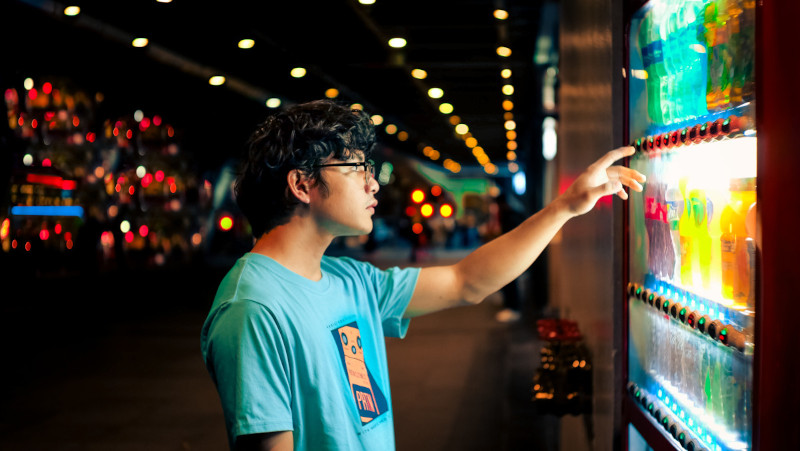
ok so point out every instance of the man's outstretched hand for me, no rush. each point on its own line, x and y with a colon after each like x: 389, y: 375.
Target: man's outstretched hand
x: 601, y: 179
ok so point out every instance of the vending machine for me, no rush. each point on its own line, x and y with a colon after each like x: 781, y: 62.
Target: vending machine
x: 701, y: 322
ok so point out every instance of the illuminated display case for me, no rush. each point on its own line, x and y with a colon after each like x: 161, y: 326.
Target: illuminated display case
x: 701, y: 270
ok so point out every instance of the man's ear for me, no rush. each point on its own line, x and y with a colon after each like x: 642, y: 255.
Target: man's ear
x: 299, y: 185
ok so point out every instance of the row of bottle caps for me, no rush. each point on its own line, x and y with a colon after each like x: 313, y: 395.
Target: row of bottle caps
x: 665, y: 417
x: 726, y: 334
x: 707, y: 131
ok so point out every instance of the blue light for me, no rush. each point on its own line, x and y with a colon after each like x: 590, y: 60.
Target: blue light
x: 518, y: 181
x: 660, y: 393
x: 47, y: 211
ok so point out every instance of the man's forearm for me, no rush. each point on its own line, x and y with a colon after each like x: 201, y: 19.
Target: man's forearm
x: 498, y: 262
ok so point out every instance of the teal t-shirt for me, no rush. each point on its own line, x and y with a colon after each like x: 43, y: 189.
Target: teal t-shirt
x: 290, y: 354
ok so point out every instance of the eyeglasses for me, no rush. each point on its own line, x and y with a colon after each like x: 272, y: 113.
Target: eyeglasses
x: 369, y: 168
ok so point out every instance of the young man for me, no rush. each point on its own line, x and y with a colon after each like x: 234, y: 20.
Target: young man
x: 294, y: 340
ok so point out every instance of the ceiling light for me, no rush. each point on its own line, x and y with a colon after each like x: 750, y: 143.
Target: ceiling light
x: 140, y: 42
x: 435, y: 93
x: 446, y: 108
x: 377, y: 119
x: 246, y: 44
x: 332, y: 93
x: 462, y: 129
x: 505, y: 73
x: 419, y: 74
x: 508, y: 89
x: 72, y: 10
x: 397, y: 43
x: 216, y: 80
x: 273, y: 102
x: 504, y: 51
x: 298, y: 72
x: 500, y: 14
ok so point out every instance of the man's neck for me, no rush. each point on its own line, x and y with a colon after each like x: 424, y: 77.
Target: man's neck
x: 295, y: 246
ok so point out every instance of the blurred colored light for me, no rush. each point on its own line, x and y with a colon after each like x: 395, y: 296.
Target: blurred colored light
x: 131, y: 190
x: 505, y: 73
x: 426, y: 210
x: 57, y: 229
x: 402, y: 136
x: 508, y: 89
x: 332, y: 93
x: 273, y: 102
x: 159, y: 176
x: 4, y: 228
x: 504, y: 51
x: 411, y: 211
x: 44, y: 234
x: 246, y: 44
x: 366, y: 2
x: 391, y: 129
x: 298, y: 72
x: 416, y: 228
x: 47, y: 163
x: 32, y: 93
x: 417, y: 196
x: 446, y: 211
x: 216, y: 80
x: 124, y: 226
x: 72, y: 10
x: 508, y: 105
x: 129, y: 134
x: 129, y: 237
x: 436, y: 190
x: 500, y: 14
x: 446, y: 108
x: 140, y: 42
x: 68, y: 236
x: 197, y: 239
x: 435, y: 93
x: 47, y: 88
x: 419, y: 74
x: 510, y: 125
x: 143, y: 230
x: 226, y: 223
x: 377, y: 119
x: 156, y: 120
x: 462, y: 129
x: 397, y: 43
x: 28, y: 246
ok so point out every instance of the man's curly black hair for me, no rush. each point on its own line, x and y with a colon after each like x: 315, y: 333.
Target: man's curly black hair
x: 300, y: 137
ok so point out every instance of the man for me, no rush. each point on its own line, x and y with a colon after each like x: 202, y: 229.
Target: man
x: 294, y: 340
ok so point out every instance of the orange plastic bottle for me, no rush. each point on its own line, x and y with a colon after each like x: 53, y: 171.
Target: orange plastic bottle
x: 735, y: 285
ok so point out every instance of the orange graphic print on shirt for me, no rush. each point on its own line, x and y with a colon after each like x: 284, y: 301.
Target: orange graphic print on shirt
x: 368, y: 397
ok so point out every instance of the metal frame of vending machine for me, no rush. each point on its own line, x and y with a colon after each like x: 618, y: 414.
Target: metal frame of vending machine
x: 774, y: 417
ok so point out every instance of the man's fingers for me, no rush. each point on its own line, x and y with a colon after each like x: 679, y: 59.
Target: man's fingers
x: 613, y: 155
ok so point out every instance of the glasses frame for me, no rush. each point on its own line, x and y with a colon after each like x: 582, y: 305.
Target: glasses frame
x: 369, y: 168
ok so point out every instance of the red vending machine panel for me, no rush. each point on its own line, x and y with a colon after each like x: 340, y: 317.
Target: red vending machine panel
x: 692, y: 233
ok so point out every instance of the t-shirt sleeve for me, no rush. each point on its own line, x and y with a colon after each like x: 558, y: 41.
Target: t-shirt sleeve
x: 249, y: 361
x: 394, y: 286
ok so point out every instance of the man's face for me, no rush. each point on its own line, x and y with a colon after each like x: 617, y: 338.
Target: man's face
x: 349, y: 204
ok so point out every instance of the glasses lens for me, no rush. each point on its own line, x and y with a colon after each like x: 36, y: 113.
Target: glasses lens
x: 369, y: 170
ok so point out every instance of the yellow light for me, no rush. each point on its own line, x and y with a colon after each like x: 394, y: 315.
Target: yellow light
x: 357, y: 106
x: 246, y: 44
x: 72, y: 10
x: 490, y: 168
x: 140, y: 42
x: 216, y: 80
x: 28, y: 83
x: 397, y: 43
x: 455, y: 120
x: 366, y: 2
x: 508, y: 89
x: 511, y: 135
x: 639, y: 73
x: 164, y: 1
x: 434, y: 155
x: 699, y: 48
x: 446, y: 211
x: 510, y: 125
x: 298, y: 72
x: 391, y: 129
x: 505, y: 73
x: 478, y: 151
x: 419, y: 74
x: 508, y: 105
x: 471, y: 142
x: 417, y: 196
x: 508, y: 116
x: 332, y: 93
x: 226, y: 223
x: 462, y: 129
x: 435, y: 93
x: 511, y: 155
x: 504, y: 51
x: 511, y: 145
x: 377, y: 119
x: 273, y: 102
x: 402, y: 136
x: 446, y: 108
x: 500, y: 14
x: 426, y: 210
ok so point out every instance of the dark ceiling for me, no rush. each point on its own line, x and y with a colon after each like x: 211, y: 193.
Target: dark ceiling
x: 341, y: 43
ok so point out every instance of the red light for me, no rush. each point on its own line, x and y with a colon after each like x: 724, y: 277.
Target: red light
x: 156, y: 120
x: 426, y: 210
x: 69, y: 185
x: 68, y: 236
x: 131, y: 190
x: 170, y: 180
x: 129, y: 134
x: 159, y: 176
x: 13, y: 244
x: 47, y: 88
x: 47, y: 163
x: 144, y: 124
x: 44, y: 234
x: 76, y: 121
x: 34, y: 123
x: 411, y: 211
x: 33, y: 94
x: 446, y: 210
x: 28, y: 246
x: 116, y: 131
x: 436, y: 190
x: 226, y: 223
x: 4, y: 228
x: 143, y: 230
x: 57, y: 229
x: 147, y: 180
x: 416, y: 228
x: 417, y: 196
x: 129, y: 236
x: 91, y: 137
x: 49, y: 115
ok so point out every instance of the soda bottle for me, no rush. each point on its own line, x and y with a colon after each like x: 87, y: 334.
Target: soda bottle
x: 695, y: 69
x: 702, y: 241
x: 722, y: 55
x: 735, y: 49
x: 717, y: 199
x: 675, y: 206
x: 648, y: 45
x: 733, y: 243
x: 710, y: 36
x: 747, y: 44
x: 685, y: 230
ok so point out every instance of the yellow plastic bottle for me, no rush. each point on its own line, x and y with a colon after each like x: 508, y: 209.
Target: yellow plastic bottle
x: 735, y: 281
x: 686, y: 231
